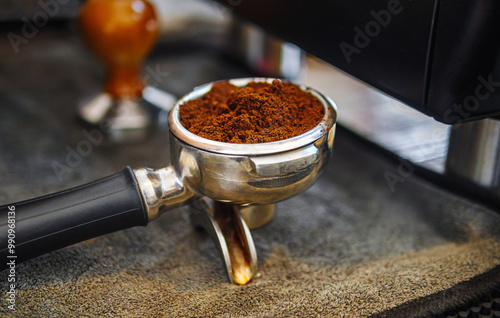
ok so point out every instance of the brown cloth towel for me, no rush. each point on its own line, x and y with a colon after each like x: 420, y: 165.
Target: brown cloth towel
x: 347, y: 247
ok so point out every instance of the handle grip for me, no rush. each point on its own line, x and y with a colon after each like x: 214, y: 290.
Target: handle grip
x: 54, y: 221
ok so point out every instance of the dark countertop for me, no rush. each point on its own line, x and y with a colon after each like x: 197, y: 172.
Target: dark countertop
x: 349, y: 246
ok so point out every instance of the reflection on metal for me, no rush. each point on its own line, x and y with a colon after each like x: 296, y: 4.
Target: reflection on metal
x: 474, y: 153
x: 160, y: 99
x: 257, y: 215
x: 381, y: 119
x: 236, y: 176
x: 265, y: 54
x: 161, y: 189
x: 126, y: 119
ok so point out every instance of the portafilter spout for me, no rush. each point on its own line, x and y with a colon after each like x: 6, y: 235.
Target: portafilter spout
x: 228, y: 184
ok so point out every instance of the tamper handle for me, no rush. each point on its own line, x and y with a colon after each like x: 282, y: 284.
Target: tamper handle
x: 44, y: 224
x: 121, y: 33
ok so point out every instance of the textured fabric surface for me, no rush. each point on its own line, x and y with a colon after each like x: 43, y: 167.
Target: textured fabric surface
x: 349, y: 246
x: 346, y: 247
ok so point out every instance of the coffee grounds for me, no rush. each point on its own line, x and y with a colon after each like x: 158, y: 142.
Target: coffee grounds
x: 256, y: 113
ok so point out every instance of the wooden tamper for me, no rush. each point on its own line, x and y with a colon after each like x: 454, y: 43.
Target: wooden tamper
x: 121, y: 33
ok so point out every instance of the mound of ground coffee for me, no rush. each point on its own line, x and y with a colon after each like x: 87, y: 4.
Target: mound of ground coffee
x: 256, y: 113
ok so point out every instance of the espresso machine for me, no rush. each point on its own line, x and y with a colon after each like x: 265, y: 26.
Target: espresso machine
x: 439, y: 58
x: 403, y: 222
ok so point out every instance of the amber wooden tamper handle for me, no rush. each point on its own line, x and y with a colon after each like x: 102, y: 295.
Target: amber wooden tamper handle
x: 121, y: 33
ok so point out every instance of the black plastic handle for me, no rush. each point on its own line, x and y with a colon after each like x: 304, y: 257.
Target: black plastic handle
x: 44, y: 224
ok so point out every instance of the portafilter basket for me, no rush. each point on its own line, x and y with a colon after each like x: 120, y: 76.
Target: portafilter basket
x: 229, y: 186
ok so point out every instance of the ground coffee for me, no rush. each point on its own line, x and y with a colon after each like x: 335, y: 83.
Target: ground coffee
x: 256, y: 113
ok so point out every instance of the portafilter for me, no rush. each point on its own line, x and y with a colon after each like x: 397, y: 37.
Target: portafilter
x: 230, y: 185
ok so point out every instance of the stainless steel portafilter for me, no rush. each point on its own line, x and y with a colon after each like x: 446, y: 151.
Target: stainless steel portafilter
x: 231, y: 187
